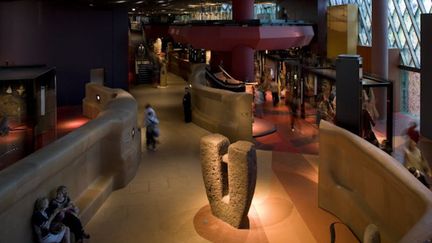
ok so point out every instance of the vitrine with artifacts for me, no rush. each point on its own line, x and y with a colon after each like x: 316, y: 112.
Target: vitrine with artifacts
x: 27, y: 109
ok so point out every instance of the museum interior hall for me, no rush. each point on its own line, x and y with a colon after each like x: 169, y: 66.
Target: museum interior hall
x: 215, y: 121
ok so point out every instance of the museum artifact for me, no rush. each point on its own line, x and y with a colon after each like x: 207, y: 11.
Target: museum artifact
x: 229, y: 173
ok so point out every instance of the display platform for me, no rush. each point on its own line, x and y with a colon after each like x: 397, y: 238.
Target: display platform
x: 261, y: 127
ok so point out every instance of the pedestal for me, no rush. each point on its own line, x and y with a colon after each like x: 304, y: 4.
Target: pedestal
x: 349, y: 92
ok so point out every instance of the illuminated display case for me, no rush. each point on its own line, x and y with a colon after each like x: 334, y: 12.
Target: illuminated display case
x: 28, y: 110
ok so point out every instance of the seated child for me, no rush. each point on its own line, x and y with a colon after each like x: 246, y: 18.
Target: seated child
x: 70, y: 219
x: 45, y: 228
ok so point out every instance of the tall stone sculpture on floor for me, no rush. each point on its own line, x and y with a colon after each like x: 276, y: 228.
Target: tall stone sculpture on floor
x: 229, y: 173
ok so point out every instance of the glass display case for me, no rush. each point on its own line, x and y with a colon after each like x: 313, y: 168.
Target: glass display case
x: 27, y: 110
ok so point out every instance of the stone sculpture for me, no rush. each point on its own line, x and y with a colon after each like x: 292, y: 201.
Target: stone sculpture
x: 371, y: 234
x: 229, y: 173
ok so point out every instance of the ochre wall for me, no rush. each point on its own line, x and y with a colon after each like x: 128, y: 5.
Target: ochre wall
x: 342, y: 30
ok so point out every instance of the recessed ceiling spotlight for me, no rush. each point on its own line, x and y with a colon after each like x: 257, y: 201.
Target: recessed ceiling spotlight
x: 133, y: 9
x: 161, y: 1
x: 139, y: 2
x: 120, y: 1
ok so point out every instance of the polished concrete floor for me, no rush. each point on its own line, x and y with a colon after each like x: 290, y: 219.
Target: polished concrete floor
x: 166, y: 201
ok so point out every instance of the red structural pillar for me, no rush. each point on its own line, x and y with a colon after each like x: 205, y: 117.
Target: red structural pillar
x: 380, y: 50
x: 242, y: 57
x: 242, y: 9
x: 242, y: 63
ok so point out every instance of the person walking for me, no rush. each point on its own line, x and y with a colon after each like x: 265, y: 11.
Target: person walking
x: 293, y: 104
x: 258, y: 102
x: 152, y: 130
x: 187, y: 106
x: 275, y: 92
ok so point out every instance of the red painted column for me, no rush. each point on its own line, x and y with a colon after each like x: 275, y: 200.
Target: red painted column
x: 242, y: 63
x: 380, y: 50
x: 242, y: 59
x: 242, y: 9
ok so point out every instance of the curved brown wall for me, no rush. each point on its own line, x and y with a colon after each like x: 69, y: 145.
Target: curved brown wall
x: 91, y: 161
x: 221, y: 111
x: 362, y: 185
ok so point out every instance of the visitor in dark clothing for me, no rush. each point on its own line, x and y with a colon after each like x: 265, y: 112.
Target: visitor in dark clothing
x: 70, y: 218
x: 46, y: 228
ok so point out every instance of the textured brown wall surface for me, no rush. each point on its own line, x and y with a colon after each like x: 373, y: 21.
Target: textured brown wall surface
x: 363, y: 185
x: 221, y: 111
x: 91, y: 161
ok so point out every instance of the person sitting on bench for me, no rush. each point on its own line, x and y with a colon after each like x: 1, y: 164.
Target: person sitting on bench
x: 46, y: 228
x: 71, y: 219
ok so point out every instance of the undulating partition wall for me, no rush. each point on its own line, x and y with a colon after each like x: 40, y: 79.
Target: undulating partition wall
x: 92, y: 161
x: 363, y: 185
x: 220, y: 111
